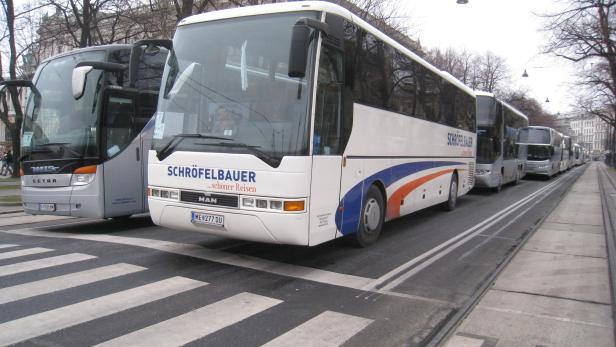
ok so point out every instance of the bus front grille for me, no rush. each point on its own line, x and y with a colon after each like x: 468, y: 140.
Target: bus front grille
x: 210, y: 199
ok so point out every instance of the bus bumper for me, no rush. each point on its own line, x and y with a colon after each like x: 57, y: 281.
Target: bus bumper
x: 74, y: 201
x: 279, y: 228
x: 485, y: 177
x: 539, y: 168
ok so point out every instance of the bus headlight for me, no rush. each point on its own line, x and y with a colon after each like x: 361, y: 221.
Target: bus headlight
x: 82, y: 179
x: 267, y: 204
x: 164, y: 193
x: 83, y: 175
x: 481, y: 172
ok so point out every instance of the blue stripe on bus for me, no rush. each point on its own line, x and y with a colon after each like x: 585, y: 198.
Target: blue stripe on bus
x: 347, y: 217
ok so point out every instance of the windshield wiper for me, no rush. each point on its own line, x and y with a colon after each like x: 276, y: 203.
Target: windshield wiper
x: 53, y: 144
x: 178, y: 138
x: 270, y: 160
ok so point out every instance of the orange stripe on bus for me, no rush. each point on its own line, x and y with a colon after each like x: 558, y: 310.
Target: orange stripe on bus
x: 393, y: 204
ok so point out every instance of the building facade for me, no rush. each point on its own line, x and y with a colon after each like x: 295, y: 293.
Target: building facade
x: 590, y: 132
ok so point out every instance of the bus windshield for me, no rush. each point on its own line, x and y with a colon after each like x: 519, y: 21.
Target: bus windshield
x: 539, y: 153
x: 489, y: 124
x: 55, y: 124
x: 226, y: 89
x: 532, y: 135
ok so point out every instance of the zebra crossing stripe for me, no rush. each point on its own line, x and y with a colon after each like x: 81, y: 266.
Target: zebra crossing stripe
x: 6, y: 245
x: 47, y: 322
x: 50, y: 285
x: 37, y: 264
x: 198, y: 323
x: 327, y: 329
x: 24, y: 252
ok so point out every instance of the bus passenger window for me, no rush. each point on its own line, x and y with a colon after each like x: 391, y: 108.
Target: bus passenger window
x: 118, y: 124
x: 328, y: 112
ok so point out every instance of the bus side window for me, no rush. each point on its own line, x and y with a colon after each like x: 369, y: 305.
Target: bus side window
x: 328, y: 112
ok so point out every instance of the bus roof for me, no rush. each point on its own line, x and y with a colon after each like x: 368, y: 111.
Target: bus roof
x: 296, y: 6
x: 89, y: 49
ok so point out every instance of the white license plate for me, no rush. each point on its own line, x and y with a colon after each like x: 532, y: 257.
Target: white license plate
x: 47, y: 207
x: 206, y: 218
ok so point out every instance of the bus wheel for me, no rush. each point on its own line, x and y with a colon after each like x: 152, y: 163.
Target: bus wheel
x: 450, y: 205
x: 518, y: 177
x: 372, y: 216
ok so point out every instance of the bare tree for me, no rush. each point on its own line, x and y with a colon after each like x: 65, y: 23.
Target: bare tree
x: 14, y: 125
x: 585, y: 32
x: 532, y: 108
x: 487, y: 72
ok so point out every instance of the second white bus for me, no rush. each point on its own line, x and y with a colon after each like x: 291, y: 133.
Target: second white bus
x: 332, y: 131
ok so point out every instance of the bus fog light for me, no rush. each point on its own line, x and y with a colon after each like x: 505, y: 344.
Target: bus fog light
x: 261, y: 203
x: 294, y: 206
x: 248, y: 202
x: 82, y: 179
x: 276, y: 205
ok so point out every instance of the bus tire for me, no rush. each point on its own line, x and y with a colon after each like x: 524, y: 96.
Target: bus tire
x: 452, y: 199
x: 371, y: 219
x: 518, y: 177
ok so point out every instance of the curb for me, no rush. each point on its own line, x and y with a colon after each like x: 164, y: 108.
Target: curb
x: 449, y: 328
x: 610, y: 237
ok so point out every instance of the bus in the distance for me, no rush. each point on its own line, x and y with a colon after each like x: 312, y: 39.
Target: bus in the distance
x: 84, y: 138
x: 578, y: 154
x: 498, y: 160
x: 565, y: 161
x: 543, y: 148
x: 333, y: 131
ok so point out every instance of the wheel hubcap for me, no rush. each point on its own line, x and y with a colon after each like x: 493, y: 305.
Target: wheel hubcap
x: 372, y: 215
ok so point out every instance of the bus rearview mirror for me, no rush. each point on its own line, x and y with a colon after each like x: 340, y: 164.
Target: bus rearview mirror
x: 300, y: 39
x: 298, y: 55
x: 79, y: 80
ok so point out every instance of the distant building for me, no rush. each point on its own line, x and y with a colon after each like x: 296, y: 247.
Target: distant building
x: 589, y: 131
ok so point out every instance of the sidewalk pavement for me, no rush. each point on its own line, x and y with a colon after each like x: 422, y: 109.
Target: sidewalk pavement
x: 556, y: 290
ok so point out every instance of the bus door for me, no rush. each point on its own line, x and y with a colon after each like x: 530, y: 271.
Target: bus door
x: 328, y: 142
x: 123, y: 176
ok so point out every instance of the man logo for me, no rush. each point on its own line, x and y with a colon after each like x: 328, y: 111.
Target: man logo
x: 207, y: 200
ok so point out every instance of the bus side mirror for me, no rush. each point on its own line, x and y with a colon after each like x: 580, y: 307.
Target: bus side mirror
x: 300, y: 40
x: 81, y: 70
x: 79, y: 80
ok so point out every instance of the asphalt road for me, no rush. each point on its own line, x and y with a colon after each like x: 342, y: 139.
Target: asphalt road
x: 71, y: 282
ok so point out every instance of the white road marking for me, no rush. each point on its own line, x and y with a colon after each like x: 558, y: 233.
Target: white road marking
x: 47, y: 322
x: 402, y: 269
x: 54, y: 284
x: 413, y: 271
x: 196, y: 324
x: 327, y: 329
x: 197, y: 251
x: 24, y: 252
x: 44, y: 263
x: 7, y: 246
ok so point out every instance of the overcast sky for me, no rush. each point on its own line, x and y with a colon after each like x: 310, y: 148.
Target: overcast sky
x: 508, y: 28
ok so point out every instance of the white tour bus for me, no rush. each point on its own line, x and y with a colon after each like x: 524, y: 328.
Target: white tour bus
x: 565, y: 159
x: 578, y: 153
x: 84, y: 134
x: 498, y: 160
x: 543, y: 147
x: 298, y: 123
